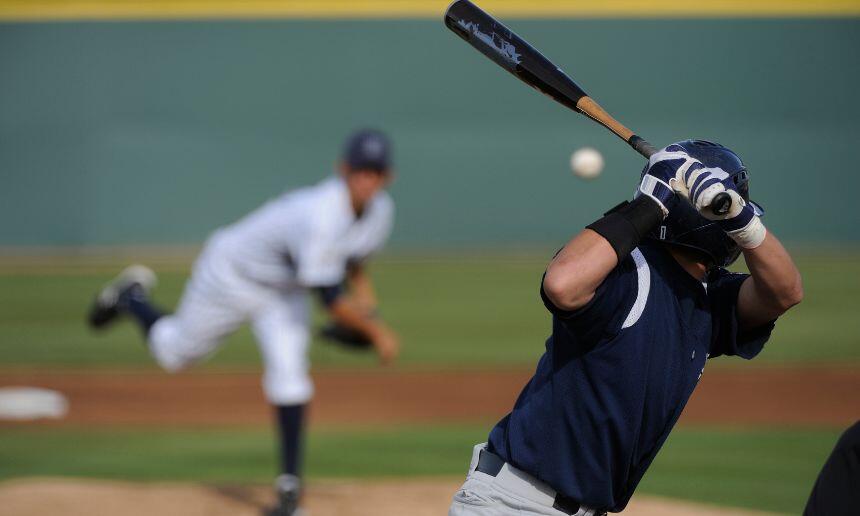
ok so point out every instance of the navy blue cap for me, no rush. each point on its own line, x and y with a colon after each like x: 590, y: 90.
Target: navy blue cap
x: 367, y: 149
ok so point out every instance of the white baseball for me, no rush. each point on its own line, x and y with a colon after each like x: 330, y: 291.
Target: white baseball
x: 586, y: 163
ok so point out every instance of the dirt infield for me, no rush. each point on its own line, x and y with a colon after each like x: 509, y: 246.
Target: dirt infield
x: 377, y: 498
x: 747, y: 395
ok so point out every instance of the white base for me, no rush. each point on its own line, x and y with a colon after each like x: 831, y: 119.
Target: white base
x: 27, y: 403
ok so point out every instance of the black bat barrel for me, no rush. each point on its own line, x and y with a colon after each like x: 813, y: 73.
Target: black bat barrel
x: 512, y: 53
x: 509, y: 51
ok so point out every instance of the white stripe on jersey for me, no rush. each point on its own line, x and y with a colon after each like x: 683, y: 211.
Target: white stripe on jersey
x: 643, y: 277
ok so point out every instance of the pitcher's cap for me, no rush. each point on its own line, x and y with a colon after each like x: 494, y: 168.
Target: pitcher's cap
x: 367, y: 149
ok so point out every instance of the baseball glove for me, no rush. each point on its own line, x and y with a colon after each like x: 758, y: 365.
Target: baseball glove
x: 346, y: 337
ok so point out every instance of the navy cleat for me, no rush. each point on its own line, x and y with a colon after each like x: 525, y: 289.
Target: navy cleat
x: 109, y: 303
x: 288, y: 489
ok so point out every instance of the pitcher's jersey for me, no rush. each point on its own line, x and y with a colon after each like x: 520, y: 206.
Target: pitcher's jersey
x: 617, y: 373
x: 304, y: 238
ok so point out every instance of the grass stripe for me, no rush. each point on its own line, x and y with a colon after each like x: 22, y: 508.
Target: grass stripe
x: 459, y: 311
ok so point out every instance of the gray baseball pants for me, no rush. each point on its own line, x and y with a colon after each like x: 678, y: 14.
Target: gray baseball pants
x: 510, y: 493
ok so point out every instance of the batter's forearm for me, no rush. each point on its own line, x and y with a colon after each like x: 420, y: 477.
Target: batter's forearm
x: 775, y: 284
x: 578, y: 269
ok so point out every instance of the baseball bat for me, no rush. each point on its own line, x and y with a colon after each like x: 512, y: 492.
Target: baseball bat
x: 511, y: 52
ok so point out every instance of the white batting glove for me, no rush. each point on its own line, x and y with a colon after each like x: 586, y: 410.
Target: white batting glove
x: 672, y: 171
x: 702, y: 184
x: 665, y: 176
x: 742, y: 222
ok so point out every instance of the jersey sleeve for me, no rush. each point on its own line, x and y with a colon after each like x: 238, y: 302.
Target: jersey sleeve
x: 375, y: 231
x: 319, y: 258
x: 604, y: 314
x: 727, y: 336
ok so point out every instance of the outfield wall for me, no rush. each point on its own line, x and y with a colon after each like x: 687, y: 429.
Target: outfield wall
x: 157, y: 132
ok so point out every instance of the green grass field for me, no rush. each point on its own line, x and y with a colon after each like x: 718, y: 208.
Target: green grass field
x: 768, y: 469
x: 451, y: 312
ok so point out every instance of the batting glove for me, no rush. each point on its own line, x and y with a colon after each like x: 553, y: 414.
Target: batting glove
x: 701, y: 185
x: 741, y: 223
x: 664, y: 177
x: 672, y: 171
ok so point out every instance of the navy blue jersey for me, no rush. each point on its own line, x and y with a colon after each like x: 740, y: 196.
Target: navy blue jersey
x: 617, y: 373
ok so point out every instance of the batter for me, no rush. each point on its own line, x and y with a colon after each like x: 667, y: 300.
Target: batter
x: 639, y: 301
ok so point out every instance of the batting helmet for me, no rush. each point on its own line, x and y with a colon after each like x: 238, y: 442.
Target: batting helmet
x: 686, y: 228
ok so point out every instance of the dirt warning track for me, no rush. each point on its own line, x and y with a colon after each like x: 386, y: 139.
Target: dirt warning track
x: 749, y: 396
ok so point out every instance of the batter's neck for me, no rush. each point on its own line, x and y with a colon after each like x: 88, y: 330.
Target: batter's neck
x: 696, y: 269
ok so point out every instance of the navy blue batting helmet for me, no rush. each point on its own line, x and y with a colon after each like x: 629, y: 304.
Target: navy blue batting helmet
x: 686, y: 228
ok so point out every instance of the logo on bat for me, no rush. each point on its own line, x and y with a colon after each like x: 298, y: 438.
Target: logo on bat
x: 493, y: 40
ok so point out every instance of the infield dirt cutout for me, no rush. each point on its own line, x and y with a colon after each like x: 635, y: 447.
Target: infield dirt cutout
x: 741, y: 395
x: 428, y: 497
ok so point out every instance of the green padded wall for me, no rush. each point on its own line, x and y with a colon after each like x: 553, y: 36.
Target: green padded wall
x: 157, y: 132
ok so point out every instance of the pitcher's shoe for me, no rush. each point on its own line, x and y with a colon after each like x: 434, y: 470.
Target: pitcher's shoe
x: 137, y: 279
x: 288, y: 489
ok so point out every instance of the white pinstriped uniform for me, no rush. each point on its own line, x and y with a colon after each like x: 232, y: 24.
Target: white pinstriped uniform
x: 259, y: 269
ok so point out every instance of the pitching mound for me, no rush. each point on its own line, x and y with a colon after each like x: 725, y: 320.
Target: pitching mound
x: 428, y: 497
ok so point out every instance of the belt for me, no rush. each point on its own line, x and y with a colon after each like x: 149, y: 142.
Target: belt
x: 491, y: 464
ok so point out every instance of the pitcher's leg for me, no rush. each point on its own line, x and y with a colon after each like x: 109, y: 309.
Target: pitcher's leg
x: 209, y: 310
x: 282, y: 331
x: 126, y: 294
x: 283, y: 334
x: 205, y: 316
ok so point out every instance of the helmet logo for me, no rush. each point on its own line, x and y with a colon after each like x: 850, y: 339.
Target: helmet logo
x: 662, y: 232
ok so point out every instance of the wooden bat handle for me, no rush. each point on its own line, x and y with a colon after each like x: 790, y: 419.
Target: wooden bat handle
x: 588, y: 107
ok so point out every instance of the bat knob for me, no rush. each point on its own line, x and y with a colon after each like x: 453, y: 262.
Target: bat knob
x: 721, y: 204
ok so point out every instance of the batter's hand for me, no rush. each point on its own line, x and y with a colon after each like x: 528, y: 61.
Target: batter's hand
x: 664, y: 177
x: 702, y: 184
x: 742, y: 222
